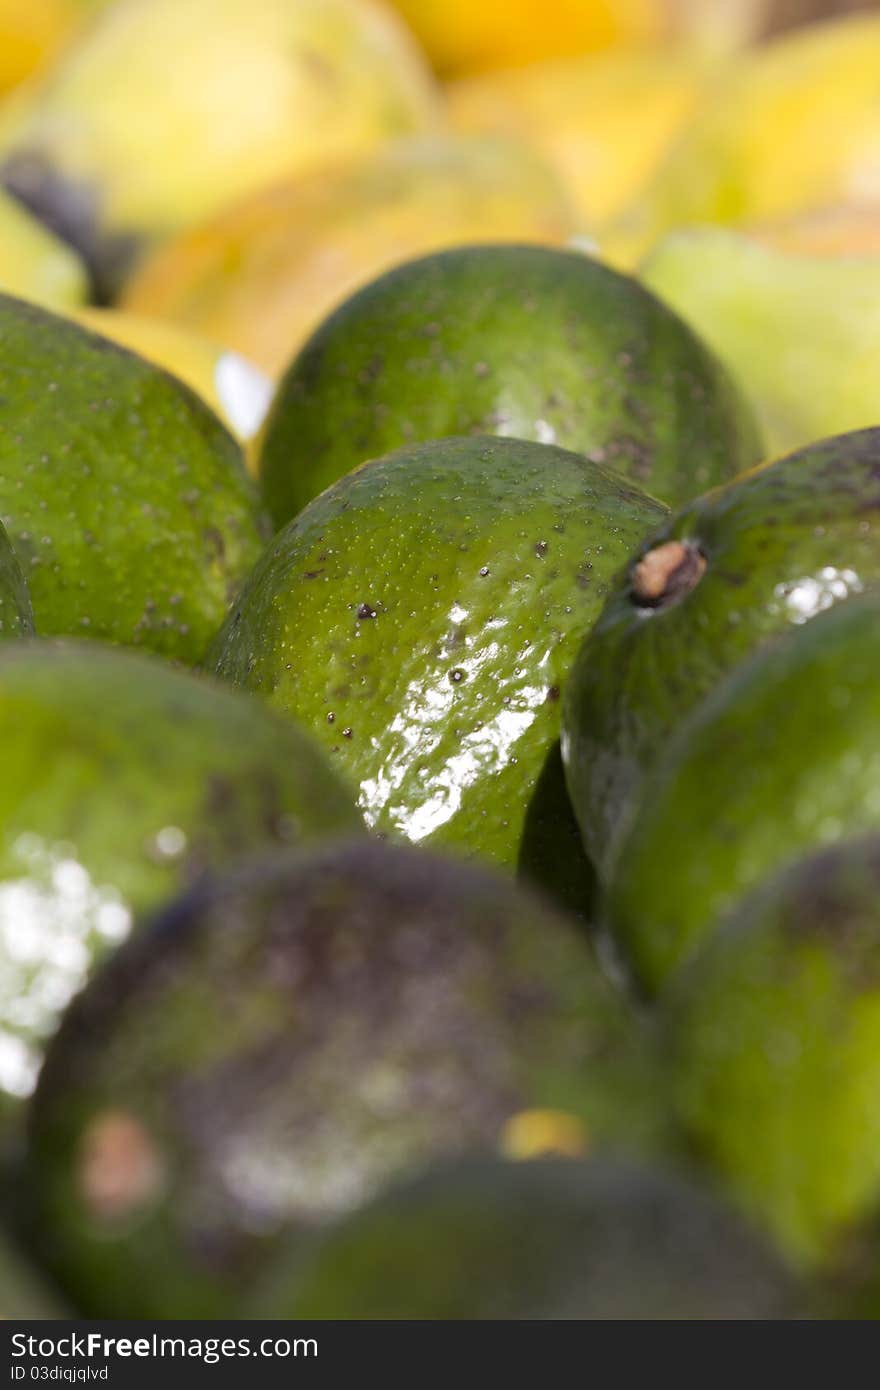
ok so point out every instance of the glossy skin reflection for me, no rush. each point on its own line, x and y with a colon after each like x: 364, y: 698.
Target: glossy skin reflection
x: 421, y: 617
x: 776, y: 547
x: 283, y: 1043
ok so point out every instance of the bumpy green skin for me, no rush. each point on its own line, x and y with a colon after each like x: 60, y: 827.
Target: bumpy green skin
x: 122, y: 780
x: 16, y: 614
x: 781, y: 759
x: 297, y: 1037
x: 125, y: 499
x: 782, y: 544
x: 508, y: 340
x: 421, y: 617
x: 774, y: 1036
x: 484, y: 1239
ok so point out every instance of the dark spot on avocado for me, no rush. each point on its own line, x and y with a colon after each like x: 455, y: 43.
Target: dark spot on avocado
x: 667, y: 574
x: 552, y: 696
x: 541, y: 548
x: 456, y: 675
x: 347, y: 733
x: 365, y: 611
x: 312, y: 574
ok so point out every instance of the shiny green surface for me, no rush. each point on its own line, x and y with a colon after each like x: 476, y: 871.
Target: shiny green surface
x: 124, y: 498
x: 774, y: 1036
x: 16, y: 614
x: 421, y: 617
x: 545, y: 1239
x: 782, y: 758
x: 122, y: 779
x: 782, y: 543
x: 507, y: 340
x: 290, y: 1040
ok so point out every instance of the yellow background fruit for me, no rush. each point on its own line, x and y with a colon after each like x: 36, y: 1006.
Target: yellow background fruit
x: 236, y: 389
x: 168, y: 110
x: 847, y: 229
x: 262, y: 276
x: 796, y: 125
x: 34, y: 31
x: 604, y: 121
x: 472, y: 35
x: 34, y: 264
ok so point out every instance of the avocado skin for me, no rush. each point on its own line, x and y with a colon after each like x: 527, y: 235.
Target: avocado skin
x: 551, y: 1238
x: 781, y: 543
x: 421, y: 616
x: 782, y: 758
x: 773, y: 1043
x: 123, y: 779
x: 16, y: 614
x: 518, y: 341
x: 125, y: 499
x: 298, y: 1035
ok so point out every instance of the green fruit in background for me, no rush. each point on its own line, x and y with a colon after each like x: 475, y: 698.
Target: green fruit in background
x: 122, y: 780
x: 774, y: 1035
x: 125, y: 499
x: 800, y: 333
x: 720, y: 579
x: 507, y: 340
x: 282, y: 1044
x: 22, y: 1293
x: 782, y: 758
x: 16, y: 615
x: 421, y: 617
x: 483, y: 1239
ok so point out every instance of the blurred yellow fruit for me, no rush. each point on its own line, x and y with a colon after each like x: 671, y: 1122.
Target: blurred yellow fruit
x: 165, y: 111
x: 33, y: 31
x: 795, y: 125
x: 469, y: 36
x: 34, y: 264
x: 604, y: 121
x: 801, y: 333
x: 236, y: 389
x: 847, y: 229
x: 264, y: 274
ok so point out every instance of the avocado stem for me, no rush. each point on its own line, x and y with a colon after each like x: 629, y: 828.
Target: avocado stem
x: 667, y: 573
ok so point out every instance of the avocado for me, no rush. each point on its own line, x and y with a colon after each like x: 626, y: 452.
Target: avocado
x: 125, y: 500
x: 122, y: 780
x: 722, y: 578
x: 283, y: 1042
x: 421, y: 616
x: 483, y: 1239
x: 773, y: 1038
x: 16, y: 614
x: 519, y: 341
x: 782, y: 758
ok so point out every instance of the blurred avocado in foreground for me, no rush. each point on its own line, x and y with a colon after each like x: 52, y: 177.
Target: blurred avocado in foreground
x: 782, y: 758
x: 801, y: 333
x: 521, y: 341
x: 723, y: 577
x: 421, y: 617
x: 161, y: 112
x: 124, y: 498
x: 16, y: 614
x: 35, y: 264
x: 774, y: 1036
x: 263, y: 274
x: 482, y: 1239
x: 282, y: 1043
x: 123, y: 779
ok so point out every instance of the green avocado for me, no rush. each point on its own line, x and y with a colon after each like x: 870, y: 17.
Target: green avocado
x: 719, y: 580
x: 421, y: 617
x: 124, y: 778
x: 484, y: 1239
x: 506, y: 340
x: 782, y: 758
x: 283, y: 1043
x: 125, y: 499
x: 774, y: 1040
x: 16, y: 614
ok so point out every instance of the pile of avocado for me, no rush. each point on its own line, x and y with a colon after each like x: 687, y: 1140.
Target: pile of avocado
x: 439, y: 878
